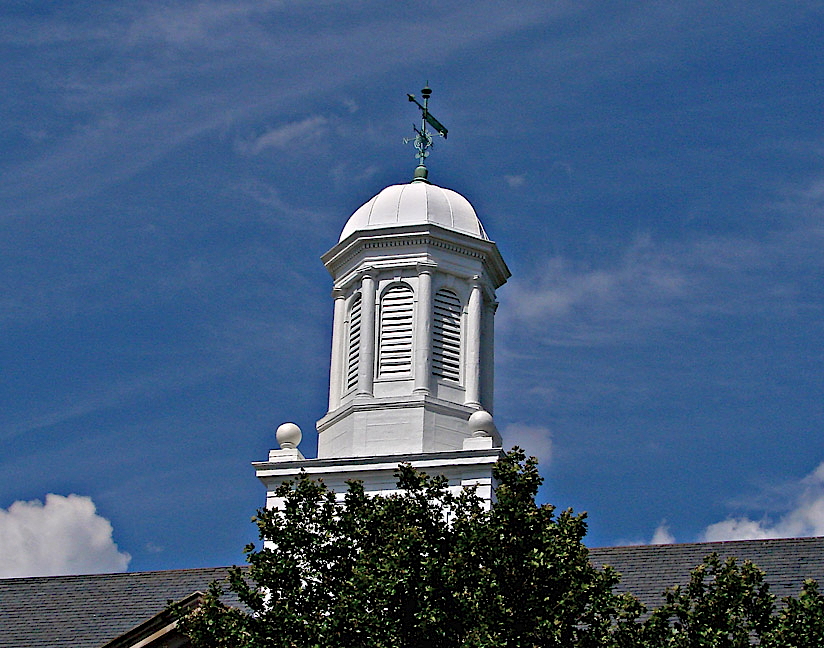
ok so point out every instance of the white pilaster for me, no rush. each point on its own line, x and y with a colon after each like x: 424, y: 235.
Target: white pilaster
x: 488, y: 356
x: 366, y: 363
x: 423, y: 331
x: 473, y: 346
x: 336, y: 364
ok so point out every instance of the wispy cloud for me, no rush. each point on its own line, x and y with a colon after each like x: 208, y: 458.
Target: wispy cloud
x: 659, y: 284
x: 300, y: 133
x: 587, y: 304
x: 200, y: 23
x: 515, y: 180
x: 63, y: 536
x: 147, y: 78
x: 107, y: 395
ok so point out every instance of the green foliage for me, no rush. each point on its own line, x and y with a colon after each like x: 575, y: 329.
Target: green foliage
x: 800, y: 623
x: 421, y: 568
x: 426, y: 568
x: 724, y: 605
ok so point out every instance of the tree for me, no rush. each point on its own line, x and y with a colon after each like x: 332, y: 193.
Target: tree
x: 421, y: 568
x: 724, y: 605
x: 800, y: 623
x: 426, y: 568
x: 727, y: 605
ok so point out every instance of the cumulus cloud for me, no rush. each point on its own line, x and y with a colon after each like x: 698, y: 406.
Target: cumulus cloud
x: 63, y: 536
x: 291, y: 134
x: 662, y: 535
x: 537, y: 440
x: 804, y: 517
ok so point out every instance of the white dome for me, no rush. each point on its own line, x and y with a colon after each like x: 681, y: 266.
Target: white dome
x: 416, y: 203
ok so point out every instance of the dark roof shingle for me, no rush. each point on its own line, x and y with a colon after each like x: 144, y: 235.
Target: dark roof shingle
x: 89, y: 610
x: 647, y: 570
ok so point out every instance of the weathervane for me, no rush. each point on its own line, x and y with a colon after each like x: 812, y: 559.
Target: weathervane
x: 423, y: 137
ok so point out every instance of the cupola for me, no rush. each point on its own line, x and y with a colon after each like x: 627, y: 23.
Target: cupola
x: 412, y: 352
x: 411, y: 373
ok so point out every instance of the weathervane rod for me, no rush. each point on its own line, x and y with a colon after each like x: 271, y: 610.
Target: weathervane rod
x: 423, y: 137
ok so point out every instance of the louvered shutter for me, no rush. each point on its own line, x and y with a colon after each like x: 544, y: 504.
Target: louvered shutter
x: 353, y: 348
x: 395, y: 351
x: 446, y: 336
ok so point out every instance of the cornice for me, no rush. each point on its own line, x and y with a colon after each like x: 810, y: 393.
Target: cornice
x: 454, y: 459
x: 417, y: 236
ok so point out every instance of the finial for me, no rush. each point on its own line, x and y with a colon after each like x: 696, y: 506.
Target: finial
x: 481, y: 424
x: 288, y: 436
x: 423, y: 137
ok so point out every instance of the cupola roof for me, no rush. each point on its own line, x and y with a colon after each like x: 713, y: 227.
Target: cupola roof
x: 416, y: 203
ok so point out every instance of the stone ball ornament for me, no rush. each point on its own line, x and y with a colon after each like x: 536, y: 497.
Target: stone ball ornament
x: 288, y: 436
x: 481, y: 424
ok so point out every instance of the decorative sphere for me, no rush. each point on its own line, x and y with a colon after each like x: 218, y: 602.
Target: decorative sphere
x: 288, y: 436
x: 481, y: 424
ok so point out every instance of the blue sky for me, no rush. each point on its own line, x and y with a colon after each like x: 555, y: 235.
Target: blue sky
x: 653, y: 174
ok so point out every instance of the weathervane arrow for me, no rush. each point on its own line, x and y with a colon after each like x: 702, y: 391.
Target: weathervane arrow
x: 434, y: 123
x: 423, y: 138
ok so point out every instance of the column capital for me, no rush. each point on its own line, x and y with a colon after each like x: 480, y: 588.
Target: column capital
x: 425, y: 267
x: 338, y: 293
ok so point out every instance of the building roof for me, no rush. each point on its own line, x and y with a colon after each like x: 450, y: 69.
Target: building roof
x: 416, y: 203
x: 89, y: 611
x: 647, y: 570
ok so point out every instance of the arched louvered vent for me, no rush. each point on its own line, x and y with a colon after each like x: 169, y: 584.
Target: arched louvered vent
x: 446, y: 336
x: 395, y: 353
x: 353, y: 347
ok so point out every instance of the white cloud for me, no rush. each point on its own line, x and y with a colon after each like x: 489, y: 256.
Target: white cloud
x: 662, y: 535
x: 292, y: 134
x: 188, y: 25
x: 737, y: 529
x: 347, y: 174
x: 646, y: 281
x: 804, y: 516
x: 515, y: 181
x: 534, y: 439
x: 655, y: 285
x: 63, y: 536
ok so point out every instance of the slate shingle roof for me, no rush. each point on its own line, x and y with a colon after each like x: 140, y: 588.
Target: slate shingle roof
x: 647, y: 570
x: 88, y: 611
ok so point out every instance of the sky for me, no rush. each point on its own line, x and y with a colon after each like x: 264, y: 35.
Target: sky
x: 653, y: 174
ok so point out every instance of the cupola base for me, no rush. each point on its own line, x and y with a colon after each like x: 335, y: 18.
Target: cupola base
x: 415, y: 423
